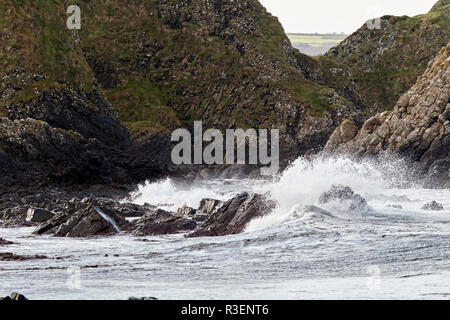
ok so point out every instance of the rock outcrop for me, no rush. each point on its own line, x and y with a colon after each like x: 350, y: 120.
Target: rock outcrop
x: 344, y: 194
x: 386, y: 61
x: 56, y: 205
x: 4, y: 242
x: 418, y: 127
x: 234, y: 215
x: 162, y: 222
x: 433, y: 206
x: 8, y: 256
x: 205, y: 209
x: 87, y: 221
x: 39, y: 215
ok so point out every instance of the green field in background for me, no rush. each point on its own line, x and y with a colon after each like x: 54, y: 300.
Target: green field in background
x: 316, y: 40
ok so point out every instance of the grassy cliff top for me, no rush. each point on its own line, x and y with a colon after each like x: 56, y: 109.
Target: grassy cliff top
x: 37, y: 51
x: 442, y: 6
x: 165, y: 63
x: 387, y: 62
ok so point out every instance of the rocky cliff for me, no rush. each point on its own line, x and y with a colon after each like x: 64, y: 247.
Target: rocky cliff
x: 418, y: 127
x: 165, y: 63
x: 154, y: 66
x: 386, y: 62
x: 99, y: 104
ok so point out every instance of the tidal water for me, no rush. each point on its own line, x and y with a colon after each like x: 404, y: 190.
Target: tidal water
x: 296, y: 252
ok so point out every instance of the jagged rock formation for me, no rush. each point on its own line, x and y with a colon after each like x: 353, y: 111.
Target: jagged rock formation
x: 418, y: 127
x: 386, y: 62
x: 234, y: 215
x: 87, y: 221
x: 344, y: 194
x: 433, y: 206
x: 162, y: 222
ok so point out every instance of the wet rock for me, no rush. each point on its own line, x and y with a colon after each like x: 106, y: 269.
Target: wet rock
x: 162, y: 222
x: 205, y: 209
x: 14, y: 296
x: 234, y: 215
x: 8, y: 256
x: 433, y: 206
x: 186, y: 211
x: 395, y: 206
x: 316, y: 209
x: 208, y: 206
x: 344, y: 193
x: 4, y: 242
x: 86, y: 222
x: 14, y: 211
x: 39, y: 215
x: 143, y: 298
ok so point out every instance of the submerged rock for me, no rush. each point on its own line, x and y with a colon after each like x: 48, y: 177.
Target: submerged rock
x: 4, y: 242
x: 143, y: 298
x: 433, y: 206
x: 162, y: 222
x: 395, y: 206
x: 344, y: 193
x: 8, y: 256
x: 316, y: 209
x: 234, y: 215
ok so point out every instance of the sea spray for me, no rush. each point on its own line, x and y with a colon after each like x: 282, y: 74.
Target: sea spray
x: 169, y: 195
x: 299, y: 185
x: 307, y: 178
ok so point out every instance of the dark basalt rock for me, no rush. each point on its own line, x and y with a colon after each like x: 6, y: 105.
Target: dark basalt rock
x: 14, y: 215
x: 8, y: 256
x: 55, y: 207
x: 14, y: 297
x: 39, y: 215
x: 344, y: 193
x: 433, y: 206
x: 162, y: 222
x: 88, y: 221
x: 234, y: 215
x: 208, y: 206
x: 205, y: 209
x: 87, y: 113
x: 186, y: 211
x: 4, y: 242
x: 143, y: 298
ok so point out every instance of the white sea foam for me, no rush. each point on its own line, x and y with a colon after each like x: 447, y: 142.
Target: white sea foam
x: 292, y: 253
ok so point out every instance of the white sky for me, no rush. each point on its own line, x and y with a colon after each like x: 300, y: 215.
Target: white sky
x: 323, y: 16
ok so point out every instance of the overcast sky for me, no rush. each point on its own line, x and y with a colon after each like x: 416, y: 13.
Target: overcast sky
x: 323, y: 16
